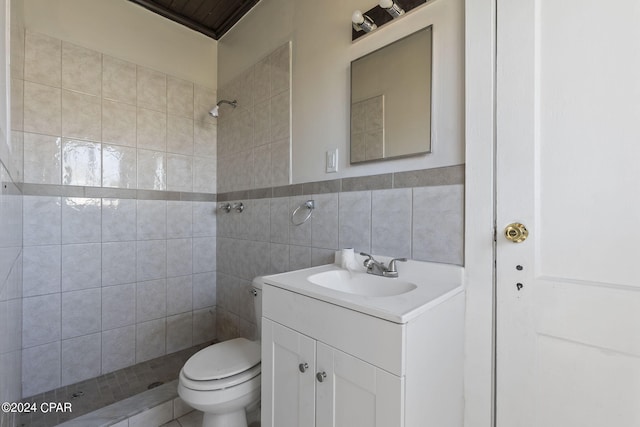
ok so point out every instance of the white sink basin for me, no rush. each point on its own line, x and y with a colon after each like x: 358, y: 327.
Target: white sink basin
x: 419, y: 286
x: 361, y: 283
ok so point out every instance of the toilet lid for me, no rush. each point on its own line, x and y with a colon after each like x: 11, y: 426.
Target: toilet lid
x: 222, y: 360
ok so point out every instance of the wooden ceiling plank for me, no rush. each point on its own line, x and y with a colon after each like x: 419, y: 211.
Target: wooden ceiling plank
x: 176, y: 17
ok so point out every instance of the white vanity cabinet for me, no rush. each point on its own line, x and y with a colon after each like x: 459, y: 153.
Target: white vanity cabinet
x: 324, y: 365
x: 312, y: 384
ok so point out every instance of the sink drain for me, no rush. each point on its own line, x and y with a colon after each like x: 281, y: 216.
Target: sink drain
x: 154, y: 385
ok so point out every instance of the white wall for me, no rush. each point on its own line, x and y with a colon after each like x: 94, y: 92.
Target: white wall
x: 122, y: 29
x: 322, y: 53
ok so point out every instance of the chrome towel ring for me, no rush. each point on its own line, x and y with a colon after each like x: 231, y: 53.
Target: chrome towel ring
x: 309, y: 205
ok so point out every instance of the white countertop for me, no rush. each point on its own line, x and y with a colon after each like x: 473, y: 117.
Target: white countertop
x: 434, y: 282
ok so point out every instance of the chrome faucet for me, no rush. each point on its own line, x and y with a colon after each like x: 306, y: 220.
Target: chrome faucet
x: 378, y: 268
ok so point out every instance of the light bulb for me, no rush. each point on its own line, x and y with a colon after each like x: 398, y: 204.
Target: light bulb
x: 391, y: 7
x: 357, y: 17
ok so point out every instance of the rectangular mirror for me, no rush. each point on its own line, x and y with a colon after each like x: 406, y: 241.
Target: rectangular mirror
x: 391, y: 100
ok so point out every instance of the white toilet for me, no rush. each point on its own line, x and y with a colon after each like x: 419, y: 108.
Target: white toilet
x: 223, y: 379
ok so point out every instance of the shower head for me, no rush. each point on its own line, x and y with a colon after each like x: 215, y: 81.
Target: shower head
x: 215, y: 110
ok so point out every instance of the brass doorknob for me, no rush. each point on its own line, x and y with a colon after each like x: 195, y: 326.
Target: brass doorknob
x: 516, y: 232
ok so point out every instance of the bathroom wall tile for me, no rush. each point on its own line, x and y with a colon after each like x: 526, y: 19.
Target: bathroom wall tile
x: 260, y: 222
x: 119, y: 166
x: 299, y: 257
x: 227, y: 324
x: 262, y: 123
x: 179, y: 257
x: 42, y: 61
x: 119, y: 123
x: 17, y: 104
x: 81, y: 69
x: 151, y: 130
x: 324, y: 221
x: 42, y: 159
x: 151, y: 300
x: 180, y: 219
x: 153, y: 417
x: 262, y: 88
x: 81, y: 266
x: 204, y: 254
x: 152, y: 170
x: 81, y: 358
x: 204, y: 325
x: 41, y: 220
x: 205, y: 139
x: 204, y: 219
x: 280, y: 162
x: 180, y: 135
x: 355, y: 220
x: 81, y: 220
x: 152, y: 89
x: 81, y: 312
x: 299, y: 234
x: 391, y: 222
x: 81, y: 163
x: 118, y: 306
x: 118, y: 80
x: 279, y: 258
x: 81, y: 116
x: 40, y: 368
x: 179, y: 294
x: 204, y: 290
x: 438, y: 224
x: 118, y: 348
x: 321, y: 256
x: 41, y: 270
x: 40, y: 320
x: 179, y: 97
x: 204, y: 99
x: 280, y: 66
x: 280, y: 220
x: 262, y: 166
x: 151, y: 256
x: 118, y: 263
x: 179, y: 332
x: 151, y: 219
x: 280, y: 116
x: 179, y: 173
x: 42, y: 109
x: 150, y: 340
x: 118, y: 219
x: 204, y: 175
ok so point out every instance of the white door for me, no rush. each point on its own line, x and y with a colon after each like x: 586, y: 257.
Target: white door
x: 353, y: 393
x: 288, y: 384
x: 568, y: 168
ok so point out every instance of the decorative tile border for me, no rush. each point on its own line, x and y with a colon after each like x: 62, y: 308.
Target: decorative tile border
x: 449, y: 175
x: 113, y: 193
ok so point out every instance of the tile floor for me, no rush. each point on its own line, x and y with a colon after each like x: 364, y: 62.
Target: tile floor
x: 95, y: 393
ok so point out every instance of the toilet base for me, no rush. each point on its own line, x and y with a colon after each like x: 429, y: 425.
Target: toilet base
x: 229, y: 419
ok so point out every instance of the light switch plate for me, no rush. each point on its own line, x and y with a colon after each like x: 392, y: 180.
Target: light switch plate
x: 332, y: 161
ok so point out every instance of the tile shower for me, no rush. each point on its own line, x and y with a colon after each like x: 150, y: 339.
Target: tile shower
x: 119, y: 214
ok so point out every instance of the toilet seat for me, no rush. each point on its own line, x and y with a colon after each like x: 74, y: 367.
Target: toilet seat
x: 222, y: 365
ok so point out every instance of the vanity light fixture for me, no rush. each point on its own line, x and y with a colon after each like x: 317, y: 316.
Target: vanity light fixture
x: 362, y: 22
x: 391, y: 7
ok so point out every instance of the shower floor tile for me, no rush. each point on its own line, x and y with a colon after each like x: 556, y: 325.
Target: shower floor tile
x: 95, y: 393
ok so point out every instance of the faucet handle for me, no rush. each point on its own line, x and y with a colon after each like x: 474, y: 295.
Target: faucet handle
x: 392, y: 264
x: 369, y: 261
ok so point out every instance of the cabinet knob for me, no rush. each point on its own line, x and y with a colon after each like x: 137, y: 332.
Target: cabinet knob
x: 303, y: 367
x: 321, y: 376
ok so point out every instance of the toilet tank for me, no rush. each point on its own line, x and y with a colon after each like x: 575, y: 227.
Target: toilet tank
x: 257, y: 304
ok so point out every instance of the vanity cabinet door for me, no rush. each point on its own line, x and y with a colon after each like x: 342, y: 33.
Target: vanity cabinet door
x: 353, y: 393
x: 288, y: 377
